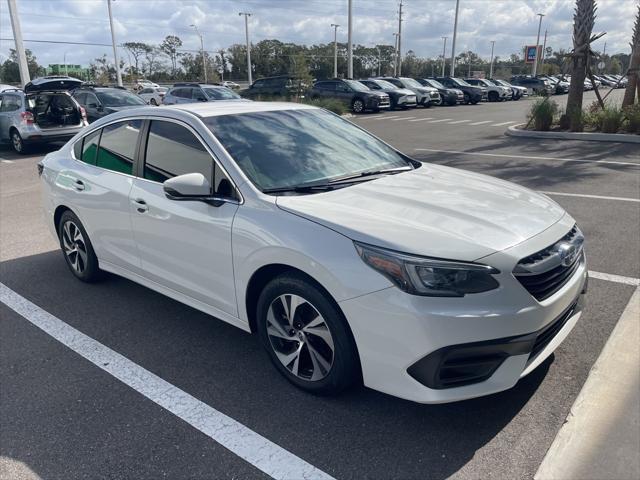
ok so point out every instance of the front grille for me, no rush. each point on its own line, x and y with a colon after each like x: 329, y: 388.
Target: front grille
x: 545, y: 272
x: 546, y: 335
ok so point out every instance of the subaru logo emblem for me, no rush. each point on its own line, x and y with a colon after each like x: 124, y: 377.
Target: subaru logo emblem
x: 568, y: 253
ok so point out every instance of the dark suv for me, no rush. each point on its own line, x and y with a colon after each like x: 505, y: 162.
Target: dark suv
x: 535, y: 86
x: 99, y: 102
x: 471, y: 94
x: 358, y: 96
x: 280, y: 86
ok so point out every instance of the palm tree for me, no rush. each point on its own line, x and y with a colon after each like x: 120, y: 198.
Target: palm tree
x: 634, y: 66
x: 583, y: 20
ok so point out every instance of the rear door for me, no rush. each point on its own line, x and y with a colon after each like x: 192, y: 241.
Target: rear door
x: 183, y: 245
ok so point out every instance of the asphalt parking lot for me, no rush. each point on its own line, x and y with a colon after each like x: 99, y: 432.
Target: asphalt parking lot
x: 65, y: 417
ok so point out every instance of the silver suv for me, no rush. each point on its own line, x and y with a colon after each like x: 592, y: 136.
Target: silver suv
x: 43, y: 112
x: 199, y: 92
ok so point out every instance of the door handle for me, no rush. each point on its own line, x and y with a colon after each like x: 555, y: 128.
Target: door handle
x: 141, y: 205
x: 79, y: 185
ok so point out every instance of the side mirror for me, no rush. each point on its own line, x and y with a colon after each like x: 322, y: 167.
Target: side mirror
x: 92, y: 105
x: 202, y: 99
x: 194, y: 187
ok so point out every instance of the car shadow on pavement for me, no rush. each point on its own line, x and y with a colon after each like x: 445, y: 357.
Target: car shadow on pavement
x: 359, y: 434
x: 7, y: 153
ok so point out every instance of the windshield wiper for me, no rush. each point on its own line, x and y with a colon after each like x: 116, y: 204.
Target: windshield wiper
x: 369, y: 173
x: 302, y: 188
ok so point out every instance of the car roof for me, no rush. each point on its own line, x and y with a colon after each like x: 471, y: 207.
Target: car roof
x: 223, y: 107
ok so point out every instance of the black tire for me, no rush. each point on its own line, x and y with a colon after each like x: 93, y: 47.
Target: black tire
x: 467, y: 99
x: 426, y: 104
x: 357, y: 106
x: 474, y: 102
x: 153, y: 102
x: 345, y: 368
x: 91, y: 271
x: 17, y: 143
x: 493, y: 97
x: 452, y: 102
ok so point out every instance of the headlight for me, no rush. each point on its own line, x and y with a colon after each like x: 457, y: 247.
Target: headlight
x: 427, y: 276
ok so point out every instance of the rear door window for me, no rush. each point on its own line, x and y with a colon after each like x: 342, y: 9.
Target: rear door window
x: 88, y: 148
x: 10, y: 103
x: 117, y: 146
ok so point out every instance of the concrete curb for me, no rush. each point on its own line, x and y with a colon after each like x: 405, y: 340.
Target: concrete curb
x: 514, y: 131
x: 601, y: 435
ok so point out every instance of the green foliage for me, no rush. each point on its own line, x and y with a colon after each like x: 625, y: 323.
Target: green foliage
x: 11, y: 71
x: 542, y: 114
x: 632, y: 116
x: 333, y: 105
x: 611, y: 119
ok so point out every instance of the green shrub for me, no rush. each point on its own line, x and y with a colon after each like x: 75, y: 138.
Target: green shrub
x: 542, y: 114
x: 331, y: 104
x: 611, y: 119
x: 632, y: 116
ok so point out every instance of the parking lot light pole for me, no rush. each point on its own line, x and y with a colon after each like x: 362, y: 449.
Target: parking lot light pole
x: 379, y: 60
x: 535, y: 62
x: 453, y: 43
x: 493, y: 43
x: 335, y: 49
x: 113, y: 41
x: 350, y: 42
x: 400, y: 39
x: 444, y: 53
x: 395, y: 61
x: 204, y: 61
x: 246, y: 34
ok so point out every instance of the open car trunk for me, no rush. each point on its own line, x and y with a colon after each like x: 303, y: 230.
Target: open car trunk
x: 54, y: 110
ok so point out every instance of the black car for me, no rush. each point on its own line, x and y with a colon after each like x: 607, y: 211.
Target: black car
x: 450, y: 96
x: 399, y: 97
x: 279, y: 86
x: 471, y: 94
x: 99, y: 102
x: 359, y: 97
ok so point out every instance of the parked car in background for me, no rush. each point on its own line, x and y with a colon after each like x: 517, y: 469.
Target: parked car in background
x: 495, y: 93
x: 425, y: 96
x: 534, y: 86
x: 448, y: 96
x: 43, y: 112
x: 4, y: 87
x: 142, y: 84
x: 350, y: 261
x: 517, y: 92
x: 399, y: 97
x: 153, y: 95
x: 199, y: 92
x: 102, y: 101
x: 231, y: 85
x: 280, y: 86
x: 471, y: 94
x: 359, y: 97
x: 560, y: 86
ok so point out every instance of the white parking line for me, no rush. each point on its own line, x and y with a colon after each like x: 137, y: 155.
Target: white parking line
x: 7, y: 161
x: 481, y: 123
x: 458, y: 121
x: 609, y: 277
x: 402, y: 118
x: 501, y: 124
x: 441, y: 120
x: 371, y: 117
x: 421, y: 119
x: 247, y: 444
x: 387, y: 117
x: 600, y: 197
x: 527, y: 157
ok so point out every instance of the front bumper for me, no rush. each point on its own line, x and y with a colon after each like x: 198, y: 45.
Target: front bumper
x: 395, y: 332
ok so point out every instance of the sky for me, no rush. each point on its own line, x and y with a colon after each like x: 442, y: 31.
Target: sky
x: 511, y: 23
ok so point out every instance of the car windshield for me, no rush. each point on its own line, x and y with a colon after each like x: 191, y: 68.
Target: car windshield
x: 357, y: 86
x: 162, y: 89
x: 386, y: 85
x: 434, y: 83
x: 119, y: 98
x: 288, y: 148
x: 220, y: 93
x: 460, y: 82
x: 410, y: 82
x: 489, y: 83
x: 501, y: 82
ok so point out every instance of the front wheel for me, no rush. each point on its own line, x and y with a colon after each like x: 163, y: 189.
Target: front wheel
x: 357, y: 106
x: 493, y: 97
x: 306, y: 335
x: 467, y: 99
x: 474, y: 102
x: 76, y: 246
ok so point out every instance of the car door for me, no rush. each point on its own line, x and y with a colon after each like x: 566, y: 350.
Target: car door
x: 343, y: 91
x: 183, y: 245
x: 4, y: 119
x: 93, y: 107
x: 98, y: 188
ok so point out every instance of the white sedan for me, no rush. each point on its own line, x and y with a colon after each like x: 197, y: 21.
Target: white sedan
x: 153, y: 95
x: 351, y: 261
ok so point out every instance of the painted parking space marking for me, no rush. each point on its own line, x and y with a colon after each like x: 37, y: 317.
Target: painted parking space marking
x: 402, y: 118
x: 481, y: 123
x: 441, y: 120
x: 599, y: 197
x: 242, y: 441
x: 421, y: 119
x: 458, y: 121
x: 526, y: 157
x: 502, y: 124
x: 372, y: 117
x: 609, y: 277
x: 8, y: 161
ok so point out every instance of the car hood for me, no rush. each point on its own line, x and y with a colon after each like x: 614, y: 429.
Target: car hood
x: 454, y: 91
x: 434, y: 211
x: 401, y: 91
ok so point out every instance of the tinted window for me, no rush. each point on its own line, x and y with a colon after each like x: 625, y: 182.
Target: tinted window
x: 89, y: 148
x: 258, y: 84
x: 81, y: 98
x: 146, y: 90
x: 10, y: 103
x: 197, y: 94
x: 118, y: 145
x: 395, y: 82
x: 173, y: 150
x: 118, y: 98
x: 325, y: 85
x: 220, y: 93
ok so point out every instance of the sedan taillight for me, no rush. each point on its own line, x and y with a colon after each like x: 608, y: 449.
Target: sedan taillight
x: 27, y: 118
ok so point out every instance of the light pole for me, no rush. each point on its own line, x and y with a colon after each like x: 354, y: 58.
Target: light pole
x: 17, y: 36
x: 400, y: 39
x: 453, y: 43
x: 535, y: 62
x: 335, y: 49
x: 113, y: 41
x: 350, y: 42
x: 64, y: 60
x: 493, y: 43
x: 543, y: 54
x: 204, y: 61
x: 469, y: 63
x: 444, y: 53
x: 246, y: 33
x: 379, y: 60
x: 395, y: 62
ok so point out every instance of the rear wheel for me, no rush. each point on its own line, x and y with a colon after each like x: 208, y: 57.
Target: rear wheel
x: 306, y: 335
x: 474, y: 102
x: 76, y: 246
x: 17, y: 142
x: 153, y: 102
x: 357, y: 106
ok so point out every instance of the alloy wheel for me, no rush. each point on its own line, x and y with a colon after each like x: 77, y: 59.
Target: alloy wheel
x: 16, y: 140
x: 358, y: 106
x: 300, y: 337
x: 74, y: 245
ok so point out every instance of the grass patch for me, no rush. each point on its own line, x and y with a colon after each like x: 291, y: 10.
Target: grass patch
x: 542, y: 114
